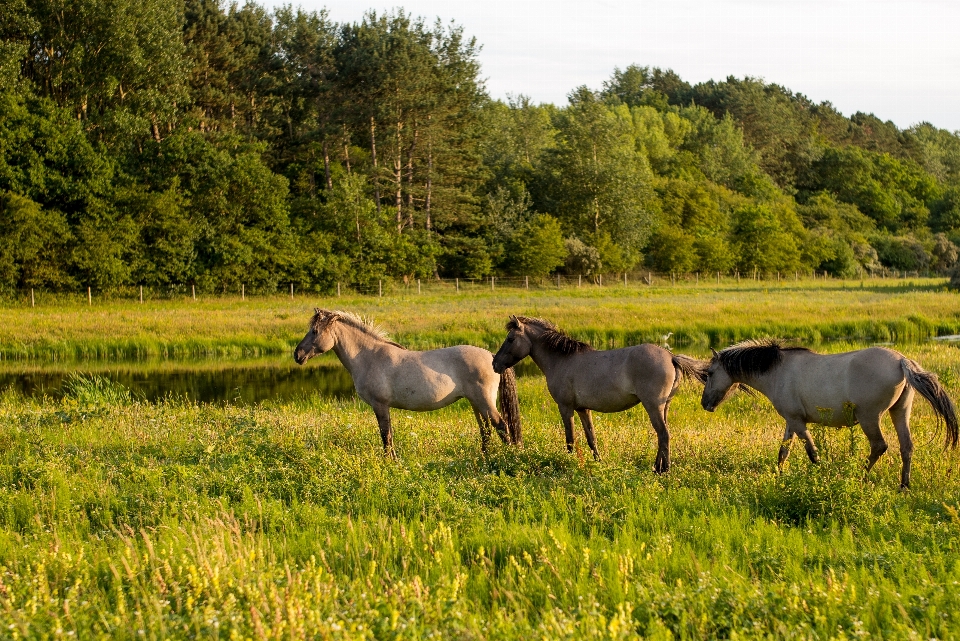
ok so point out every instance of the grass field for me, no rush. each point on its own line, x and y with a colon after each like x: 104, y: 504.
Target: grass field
x: 704, y: 314
x: 123, y: 519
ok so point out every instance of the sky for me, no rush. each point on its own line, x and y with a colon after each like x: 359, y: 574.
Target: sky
x: 899, y: 60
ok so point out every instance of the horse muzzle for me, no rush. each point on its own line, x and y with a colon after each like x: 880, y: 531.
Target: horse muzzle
x: 499, y: 366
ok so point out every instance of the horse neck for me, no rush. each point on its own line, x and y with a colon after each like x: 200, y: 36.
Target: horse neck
x: 543, y: 356
x: 351, y: 344
x: 763, y: 383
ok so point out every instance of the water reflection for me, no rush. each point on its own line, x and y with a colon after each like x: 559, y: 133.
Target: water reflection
x: 237, y: 381
x: 213, y: 381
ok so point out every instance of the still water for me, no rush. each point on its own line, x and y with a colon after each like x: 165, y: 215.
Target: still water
x: 207, y: 381
x: 231, y: 381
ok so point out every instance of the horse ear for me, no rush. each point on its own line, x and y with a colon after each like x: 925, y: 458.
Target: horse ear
x: 316, y: 310
x: 715, y: 353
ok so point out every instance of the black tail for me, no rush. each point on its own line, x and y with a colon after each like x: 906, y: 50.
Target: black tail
x: 510, y: 405
x: 692, y: 367
x: 928, y: 386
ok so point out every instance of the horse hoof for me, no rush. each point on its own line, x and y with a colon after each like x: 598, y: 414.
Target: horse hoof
x: 904, y: 488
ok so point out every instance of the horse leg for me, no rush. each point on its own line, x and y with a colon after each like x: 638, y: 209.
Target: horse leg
x: 566, y: 415
x: 484, y: 424
x: 658, y: 417
x: 808, y: 444
x: 386, y: 430
x: 871, y: 427
x: 900, y: 413
x: 586, y: 419
x: 785, y: 446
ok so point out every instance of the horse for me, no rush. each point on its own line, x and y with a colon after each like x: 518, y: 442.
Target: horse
x: 834, y: 390
x: 387, y: 375
x: 582, y: 380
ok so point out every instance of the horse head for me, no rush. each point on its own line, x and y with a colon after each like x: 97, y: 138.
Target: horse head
x: 719, y: 386
x: 515, y: 348
x: 319, y: 338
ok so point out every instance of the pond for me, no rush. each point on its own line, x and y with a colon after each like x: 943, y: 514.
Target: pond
x: 236, y: 381
x: 206, y: 381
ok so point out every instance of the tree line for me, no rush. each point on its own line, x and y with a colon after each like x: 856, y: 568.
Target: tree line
x: 170, y: 143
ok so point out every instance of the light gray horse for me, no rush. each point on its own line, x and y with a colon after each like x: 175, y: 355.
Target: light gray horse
x: 387, y: 375
x: 581, y: 379
x: 834, y: 390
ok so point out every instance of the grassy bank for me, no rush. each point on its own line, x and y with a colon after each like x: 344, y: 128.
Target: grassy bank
x: 129, y: 520
x: 704, y: 314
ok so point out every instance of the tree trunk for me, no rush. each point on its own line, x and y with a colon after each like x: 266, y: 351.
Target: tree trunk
x: 429, y: 182
x: 346, y: 148
x: 398, y: 176
x: 410, y: 152
x: 326, y: 165
x: 373, y: 149
x: 429, y: 173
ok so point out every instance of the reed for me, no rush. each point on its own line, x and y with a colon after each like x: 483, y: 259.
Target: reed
x: 809, y: 311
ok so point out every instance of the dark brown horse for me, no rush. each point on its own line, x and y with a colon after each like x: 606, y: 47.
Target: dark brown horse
x: 582, y: 380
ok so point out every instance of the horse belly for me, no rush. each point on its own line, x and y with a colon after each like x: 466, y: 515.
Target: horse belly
x: 841, y: 397
x: 604, y: 395
x: 422, y: 390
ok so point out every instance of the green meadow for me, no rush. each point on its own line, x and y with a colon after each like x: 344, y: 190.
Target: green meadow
x: 704, y: 313
x: 126, y: 519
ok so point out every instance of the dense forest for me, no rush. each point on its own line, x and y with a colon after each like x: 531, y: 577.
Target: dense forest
x: 176, y: 143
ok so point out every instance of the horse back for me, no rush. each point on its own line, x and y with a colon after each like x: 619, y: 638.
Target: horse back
x: 613, y: 380
x: 833, y: 388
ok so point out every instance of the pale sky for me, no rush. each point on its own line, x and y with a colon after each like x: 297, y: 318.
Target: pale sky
x: 897, y: 59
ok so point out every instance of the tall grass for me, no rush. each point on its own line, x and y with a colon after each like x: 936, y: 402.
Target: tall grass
x: 708, y: 314
x: 124, y: 519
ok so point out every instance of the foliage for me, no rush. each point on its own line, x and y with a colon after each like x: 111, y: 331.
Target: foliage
x: 213, y: 145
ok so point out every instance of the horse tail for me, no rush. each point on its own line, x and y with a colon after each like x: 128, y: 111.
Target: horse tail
x: 510, y: 405
x: 928, y: 386
x: 692, y: 367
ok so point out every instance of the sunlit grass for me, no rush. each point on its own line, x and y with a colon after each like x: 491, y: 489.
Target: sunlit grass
x: 126, y: 519
x: 611, y: 316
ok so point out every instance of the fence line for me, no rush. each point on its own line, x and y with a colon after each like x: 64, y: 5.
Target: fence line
x: 635, y: 280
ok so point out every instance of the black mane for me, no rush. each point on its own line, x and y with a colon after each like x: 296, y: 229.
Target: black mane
x: 753, y: 357
x: 552, y: 336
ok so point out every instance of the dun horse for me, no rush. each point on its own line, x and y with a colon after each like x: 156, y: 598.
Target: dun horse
x: 582, y: 380
x: 834, y: 390
x: 387, y: 375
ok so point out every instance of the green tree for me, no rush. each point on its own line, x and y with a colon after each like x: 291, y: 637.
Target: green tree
x: 594, y: 181
x: 34, y: 245
x: 537, y: 247
x: 762, y: 242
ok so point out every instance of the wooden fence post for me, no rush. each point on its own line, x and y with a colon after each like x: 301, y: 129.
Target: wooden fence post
x: 380, y: 285
x: 458, y: 284
x: 338, y: 289
x: 141, y: 294
x: 33, y: 302
x: 243, y: 292
x: 89, y: 297
x: 418, y: 285
x: 291, y: 291
x: 526, y: 282
x: 193, y: 290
